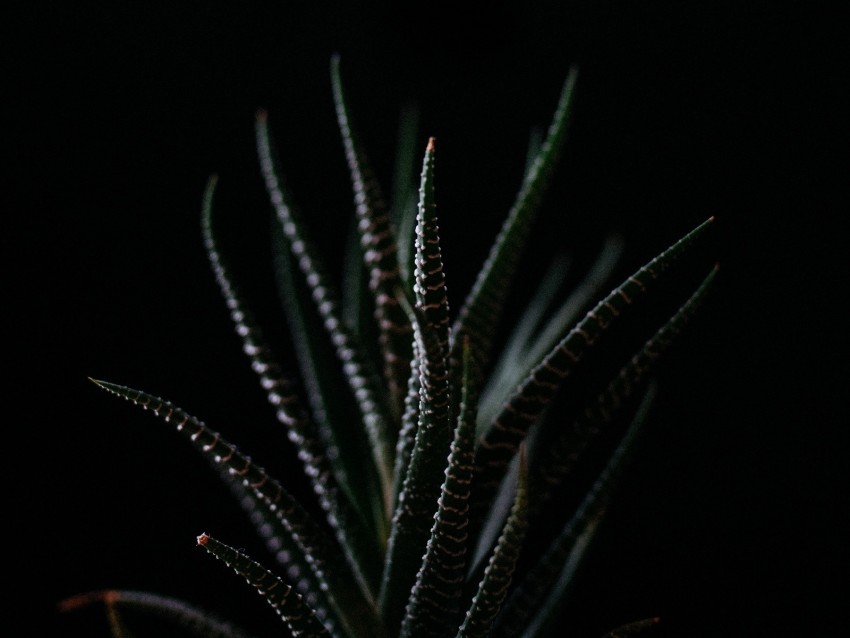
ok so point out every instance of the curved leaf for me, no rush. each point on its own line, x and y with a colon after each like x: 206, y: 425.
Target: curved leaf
x: 501, y: 440
x: 559, y: 459
x: 493, y: 588
x: 327, y: 391
x: 533, y: 338
x: 307, y: 544
x: 289, y: 605
x: 544, y: 586
x: 197, y: 622
x: 483, y: 306
x: 363, y: 380
x: 380, y: 249
x: 301, y: 431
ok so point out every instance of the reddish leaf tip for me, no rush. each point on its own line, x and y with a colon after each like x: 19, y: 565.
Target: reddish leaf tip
x: 107, y: 596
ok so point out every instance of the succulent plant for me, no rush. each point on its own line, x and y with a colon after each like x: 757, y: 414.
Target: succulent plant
x: 460, y: 482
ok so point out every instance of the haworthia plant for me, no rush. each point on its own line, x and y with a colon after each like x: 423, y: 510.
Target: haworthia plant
x: 431, y: 455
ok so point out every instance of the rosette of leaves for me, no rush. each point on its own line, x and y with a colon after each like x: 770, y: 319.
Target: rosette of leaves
x: 432, y: 454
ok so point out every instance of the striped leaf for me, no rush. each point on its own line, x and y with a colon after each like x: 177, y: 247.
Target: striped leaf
x: 363, y: 380
x: 359, y: 522
x: 534, y: 338
x: 409, y: 425
x: 483, y: 306
x: 341, y: 516
x: 544, y: 586
x: 420, y: 490
x: 560, y: 458
x: 433, y: 604
x: 306, y: 543
x: 380, y: 251
x: 501, y: 440
x: 289, y: 605
x: 493, y: 588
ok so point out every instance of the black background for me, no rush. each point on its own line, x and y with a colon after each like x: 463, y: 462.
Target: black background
x: 731, y: 523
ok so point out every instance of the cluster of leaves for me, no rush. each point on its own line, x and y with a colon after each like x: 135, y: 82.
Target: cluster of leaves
x: 434, y: 492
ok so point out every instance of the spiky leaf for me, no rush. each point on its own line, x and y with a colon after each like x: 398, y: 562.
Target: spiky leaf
x: 300, y: 619
x: 363, y: 380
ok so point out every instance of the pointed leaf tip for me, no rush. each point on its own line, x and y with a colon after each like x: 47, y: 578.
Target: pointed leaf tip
x: 430, y: 147
x: 262, y: 115
x: 203, y: 538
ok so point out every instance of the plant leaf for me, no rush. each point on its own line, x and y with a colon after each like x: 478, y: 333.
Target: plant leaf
x: 533, y: 338
x: 341, y: 516
x: 501, y: 440
x: 409, y: 424
x: 560, y: 458
x: 379, y: 252
x: 493, y: 588
x: 405, y: 196
x: 420, y: 491
x: 332, y: 410
x: 289, y: 605
x: 541, y: 590
x: 483, y: 306
x: 309, y: 547
x: 433, y: 603
x: 363, y: 380
x: 197, y: 622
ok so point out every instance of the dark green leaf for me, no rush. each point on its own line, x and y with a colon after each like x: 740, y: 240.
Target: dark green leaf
x: 497, y: 576
x: 484, y: 305
x: 500, y: 441
x: 380, y: 249
x: 363, y: 380
x: 433, y: 604
x: 299, y: 617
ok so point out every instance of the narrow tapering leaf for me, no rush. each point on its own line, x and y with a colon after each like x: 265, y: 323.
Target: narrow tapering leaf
x: 503, y: 379
x: 559, y: 459
x: 404, y: 195
x: 189, y: 618
x: 433, y: 605
x: 301, y: 430
x: 493, y: 587
x: 483, y: 306
x: 380, y: 251
x: 315, y: 554
x: 541, y: 623
x: 364, y: 381
x: 360, y: 523
x: 533, y: 339
x: 501, y: 440
x: 430, y: 280
x: 289, y: 605
x: 413, y: 516
x: 409, y: 424
x: 578, y: 300
x: 417, y: 500
x: 548, y: 580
